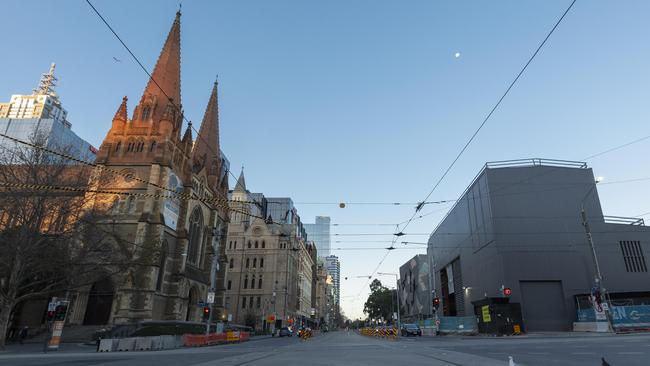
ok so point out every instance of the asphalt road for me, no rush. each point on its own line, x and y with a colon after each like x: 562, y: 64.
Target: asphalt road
x: 343, y: 348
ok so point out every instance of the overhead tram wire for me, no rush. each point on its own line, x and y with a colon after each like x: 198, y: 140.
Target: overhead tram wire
x: 169, y: 99
x: 494, y: 108
x: 408, y: 222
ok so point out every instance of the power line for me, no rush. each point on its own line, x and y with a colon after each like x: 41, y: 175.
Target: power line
x: 408, y: 222
x: 493, y: 109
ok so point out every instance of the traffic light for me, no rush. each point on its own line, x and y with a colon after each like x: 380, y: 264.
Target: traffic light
x: 436, y: 302
x: 60, y: 311
x: 206, y: 312
x: 50, y: 315
x: 507, y: 291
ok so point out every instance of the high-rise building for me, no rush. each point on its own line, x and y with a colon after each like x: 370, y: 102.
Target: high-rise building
x: 334, y: 270
x: 40, y: 118
x: 319, y: 233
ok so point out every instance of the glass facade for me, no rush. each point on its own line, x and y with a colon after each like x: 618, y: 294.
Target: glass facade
x: 319, y: 233
x: 58, y: 136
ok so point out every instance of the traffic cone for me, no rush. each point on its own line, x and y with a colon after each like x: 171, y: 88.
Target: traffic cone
x: 511, y: 362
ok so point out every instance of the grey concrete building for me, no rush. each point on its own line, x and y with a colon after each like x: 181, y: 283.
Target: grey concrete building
x: 519, y: 225
x: 414, y: 288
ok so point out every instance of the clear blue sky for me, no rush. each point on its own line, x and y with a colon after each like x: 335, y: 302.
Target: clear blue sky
x: 364, y: 100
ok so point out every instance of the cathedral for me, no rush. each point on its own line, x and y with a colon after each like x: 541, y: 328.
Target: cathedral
x: 180, y: 231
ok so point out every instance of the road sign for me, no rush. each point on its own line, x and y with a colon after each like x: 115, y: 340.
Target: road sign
x: 210, y: 297
x: 229, y: 317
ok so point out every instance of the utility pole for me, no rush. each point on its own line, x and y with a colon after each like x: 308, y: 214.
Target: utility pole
x: 396, y: 293
x: 216, y: 236
x: 599, y: 278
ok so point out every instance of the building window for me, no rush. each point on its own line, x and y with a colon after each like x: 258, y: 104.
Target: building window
x: 256, y: 244
x: 153, y: 146
x: 230, y: 245
x: 243, y: 302
x: 196, y: 223
x: 258, y: 302
x: 263, y: 244
x: 235, y: 246
x: 254, y: 262
x: 146, y: 111
x: 249, y: 244
x: 232, y: 263
x: 117, y: 147
x: 248, y: 262
x: 229, y: 284
x: 259, y: 284
x: 250, y: 303
x: 253, y: 282
x: 633, y: 256
x: 246, y: 281
x: 261, y: 262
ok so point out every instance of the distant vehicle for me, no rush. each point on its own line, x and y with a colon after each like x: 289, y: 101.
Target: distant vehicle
x: 411, y: 330
x: 285, y: 332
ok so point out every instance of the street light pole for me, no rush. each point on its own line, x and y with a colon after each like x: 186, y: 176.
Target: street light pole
x: 396, y: 293
x: 599, y: 278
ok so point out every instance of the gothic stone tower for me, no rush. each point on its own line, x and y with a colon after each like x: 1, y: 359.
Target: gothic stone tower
x: 176, y: 234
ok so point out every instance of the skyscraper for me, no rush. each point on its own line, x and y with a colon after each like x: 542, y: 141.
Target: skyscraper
x: 40, y: 118
x: 319, y: 233
x: 334, y: 270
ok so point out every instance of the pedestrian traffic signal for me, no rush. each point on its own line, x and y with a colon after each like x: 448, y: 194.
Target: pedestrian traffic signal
x: 436, y: 302
x: 507, y: 291
x: 50, y: 315
x: 60, y: 311
x: 206, y: 312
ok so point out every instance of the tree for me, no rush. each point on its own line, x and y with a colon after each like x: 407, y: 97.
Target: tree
x: 381, y: 301
x: 50, y: 241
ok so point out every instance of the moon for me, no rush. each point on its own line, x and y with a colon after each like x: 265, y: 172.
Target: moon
x: 457, y: 54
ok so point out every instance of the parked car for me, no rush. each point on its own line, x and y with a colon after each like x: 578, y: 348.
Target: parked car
x: 285, y: 332
x: 411, y: 330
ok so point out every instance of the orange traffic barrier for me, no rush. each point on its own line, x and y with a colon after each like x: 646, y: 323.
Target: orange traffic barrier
x: 194, y: 340
x: 244, y: 336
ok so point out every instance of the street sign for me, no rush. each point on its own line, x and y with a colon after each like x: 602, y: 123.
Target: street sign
x: 229, y: 317
x: 210, y: 297
x: 605, y: 306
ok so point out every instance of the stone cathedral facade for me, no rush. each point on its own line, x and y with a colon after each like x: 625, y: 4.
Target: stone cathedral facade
x: 179, y: 233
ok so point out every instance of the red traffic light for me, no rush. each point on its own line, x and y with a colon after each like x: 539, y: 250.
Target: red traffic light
x: 436, y: 302
x: 206, y: 310
x: 507, y: 291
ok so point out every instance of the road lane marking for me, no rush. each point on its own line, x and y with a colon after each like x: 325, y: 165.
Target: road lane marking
x: 539, y: 353
x: 630, y: 353
x: 583, y: 353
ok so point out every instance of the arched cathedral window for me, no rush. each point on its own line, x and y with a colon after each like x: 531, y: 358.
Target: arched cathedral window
x: 194, y: 248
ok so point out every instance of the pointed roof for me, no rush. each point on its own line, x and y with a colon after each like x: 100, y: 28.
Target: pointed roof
x: 241, y: 182
x: 188, y: 133
x: 121, y: 114
x: 207, y: 141
x: 165, y: 79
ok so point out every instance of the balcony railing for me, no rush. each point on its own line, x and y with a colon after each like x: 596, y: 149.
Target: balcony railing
x: 536, y: 162
x: 624, y: 220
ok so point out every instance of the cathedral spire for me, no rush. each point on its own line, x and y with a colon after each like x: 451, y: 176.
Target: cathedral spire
x: 162, y: 94
x: 121, y: 114
x: 240, y: 186
x: 207, y: 141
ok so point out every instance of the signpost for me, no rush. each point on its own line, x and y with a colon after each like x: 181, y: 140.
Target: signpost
x: 60, y: 309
